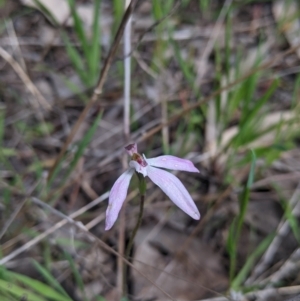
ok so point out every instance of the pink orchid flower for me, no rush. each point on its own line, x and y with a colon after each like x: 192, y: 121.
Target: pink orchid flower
x: 167, y: 182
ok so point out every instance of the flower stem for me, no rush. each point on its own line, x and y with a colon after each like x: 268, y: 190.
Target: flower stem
x: 131, y: 240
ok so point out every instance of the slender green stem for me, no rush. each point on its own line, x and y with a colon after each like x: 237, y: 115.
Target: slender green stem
x: 130, y: 243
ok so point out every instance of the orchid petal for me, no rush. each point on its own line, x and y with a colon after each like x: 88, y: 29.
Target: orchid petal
x: 172, y: 162
x: 174, y: 189
x: 117, y: 197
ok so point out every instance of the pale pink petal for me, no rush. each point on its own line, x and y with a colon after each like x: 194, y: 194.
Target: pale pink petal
x: 131, y: 149
x: 117, y: 197
x: 175, y: 190
x: 172, y: 162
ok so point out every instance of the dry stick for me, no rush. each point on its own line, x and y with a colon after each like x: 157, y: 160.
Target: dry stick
x: 186, y: 110
x: 79, y: 225
x: 99, y: 87
x: 131, y: 240
x: 127, y: 77
x: 26, y: 80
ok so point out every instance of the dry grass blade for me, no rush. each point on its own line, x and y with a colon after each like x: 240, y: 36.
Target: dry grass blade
x: 41, y: 101
x: 15, y: 44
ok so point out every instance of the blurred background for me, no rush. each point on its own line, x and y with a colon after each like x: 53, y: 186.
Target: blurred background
x: 215, y: 82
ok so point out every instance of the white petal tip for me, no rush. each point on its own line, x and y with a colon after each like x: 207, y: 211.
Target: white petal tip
x: 107, y: 227
x: 196, y: 215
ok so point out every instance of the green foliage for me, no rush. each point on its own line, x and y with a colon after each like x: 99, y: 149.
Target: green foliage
x: 87, y: 67
x: 236, y: 226
x: 83, y: 144
x: 118, y: 13
x: 288, y: 213
x: 249, y: 125
x: 185, y: 66
x: 50, y: 279
x: 76, y: 274
x: 80, y: 148
x: 204, y: 5
x: 20, y: 286
x: 160, y: 9
x: 2, y: 117
x: 250, y: 263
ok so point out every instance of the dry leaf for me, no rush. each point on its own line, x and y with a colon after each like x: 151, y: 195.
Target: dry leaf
x: 59, y: 9
x: 285, y: 13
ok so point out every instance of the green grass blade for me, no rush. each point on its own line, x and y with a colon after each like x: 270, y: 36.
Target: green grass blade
x: 55, y: 172
x: 244, y: 199
x: 50, y: 279
x: 2, y: 119
x: 250, y: 262
x: 204, y: 4
x: 252, y: 169
x: 157, y: 9
x: 118, y: 9
x: 79, y: 28
x: 293, y: 222
x: 83, y: 144
x: 38, y: 286
x: 236, y: 226
x: 76, y: 59
x: 76, y: 274
x: 19, y: 292
x: 94, y: 56
x: 296, y: 93
x: 187, y: 72
x: 231, y: 249
x: 228, y: 38
x: 252, y: 115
